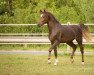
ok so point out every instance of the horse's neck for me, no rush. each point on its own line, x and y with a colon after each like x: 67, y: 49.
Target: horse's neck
x: 52, y: 25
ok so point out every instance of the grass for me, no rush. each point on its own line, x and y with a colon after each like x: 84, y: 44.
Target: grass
x: 42, y: 47
x: 37, y: 65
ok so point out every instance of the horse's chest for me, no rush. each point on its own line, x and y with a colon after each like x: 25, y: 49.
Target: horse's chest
x: 53, y: 36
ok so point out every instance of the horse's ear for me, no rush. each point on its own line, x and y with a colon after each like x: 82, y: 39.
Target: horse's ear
x: 40, y: 11
x: 44, y: 10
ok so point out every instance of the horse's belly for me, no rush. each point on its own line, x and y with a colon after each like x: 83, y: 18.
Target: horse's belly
x: 67, y: 39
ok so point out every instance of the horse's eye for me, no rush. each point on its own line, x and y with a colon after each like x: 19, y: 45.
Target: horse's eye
x: 43, y: 16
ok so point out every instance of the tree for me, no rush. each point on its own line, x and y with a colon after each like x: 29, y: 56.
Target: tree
x: 9, y: 7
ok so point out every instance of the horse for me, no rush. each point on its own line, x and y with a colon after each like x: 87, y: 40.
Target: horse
x: 63, y: 34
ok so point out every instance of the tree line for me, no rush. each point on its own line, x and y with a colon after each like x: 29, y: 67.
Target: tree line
x: 27, y: 11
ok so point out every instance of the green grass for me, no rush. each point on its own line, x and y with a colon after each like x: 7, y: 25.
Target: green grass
x: 37, y: 65
x: 42, y: 47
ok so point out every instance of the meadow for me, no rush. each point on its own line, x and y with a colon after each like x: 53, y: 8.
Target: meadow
x: 42, y: 47
x: 23, y: 64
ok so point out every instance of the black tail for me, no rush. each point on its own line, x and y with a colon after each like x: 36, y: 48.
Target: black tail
x: 86, y: 33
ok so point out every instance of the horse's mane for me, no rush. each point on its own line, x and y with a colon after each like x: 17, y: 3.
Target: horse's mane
x: 51, y: 16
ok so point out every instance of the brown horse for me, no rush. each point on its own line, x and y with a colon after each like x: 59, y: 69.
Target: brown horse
x: 63, y: 34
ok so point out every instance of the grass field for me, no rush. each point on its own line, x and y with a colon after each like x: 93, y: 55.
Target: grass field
x: 42, y: 47
x: 17, y: 64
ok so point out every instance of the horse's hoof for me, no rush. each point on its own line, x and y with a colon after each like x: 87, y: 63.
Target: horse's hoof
x: 49, y: 62
x: 72, y: 60
x: 56, y: 62
x: 82, y: 63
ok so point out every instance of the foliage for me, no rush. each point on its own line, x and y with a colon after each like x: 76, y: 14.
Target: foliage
x: 30, y: 29
x: 23, y: 29
x: 26, y: 11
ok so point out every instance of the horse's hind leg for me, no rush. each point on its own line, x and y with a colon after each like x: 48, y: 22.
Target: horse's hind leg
x: 82, y: 52
x: 81, y: 49
x: 74, y: 49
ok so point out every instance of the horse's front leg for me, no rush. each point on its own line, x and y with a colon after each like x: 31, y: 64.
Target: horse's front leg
x: 55, y: 53
x: 51, y: 48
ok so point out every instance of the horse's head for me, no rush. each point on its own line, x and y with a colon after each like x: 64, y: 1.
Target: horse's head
x: 43, y: 18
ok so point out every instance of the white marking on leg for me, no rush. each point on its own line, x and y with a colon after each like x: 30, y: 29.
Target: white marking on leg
x: 49, y: 62
x: 56, y: 62
x: 82, y: 63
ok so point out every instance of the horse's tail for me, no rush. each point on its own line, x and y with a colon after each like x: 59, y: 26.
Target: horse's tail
x: 86, y: 33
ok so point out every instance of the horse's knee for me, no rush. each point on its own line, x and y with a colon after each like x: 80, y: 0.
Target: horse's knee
x: 48, y: 58
x: 74, y: 47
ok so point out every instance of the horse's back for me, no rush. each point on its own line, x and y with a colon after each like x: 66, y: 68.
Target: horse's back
x: 70, y: 32
x: 72, y: 29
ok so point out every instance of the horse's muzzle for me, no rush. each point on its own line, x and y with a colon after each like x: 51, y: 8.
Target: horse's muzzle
x: 38, y: 25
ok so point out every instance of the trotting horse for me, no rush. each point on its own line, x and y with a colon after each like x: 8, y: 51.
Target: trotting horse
x: 63, y: 34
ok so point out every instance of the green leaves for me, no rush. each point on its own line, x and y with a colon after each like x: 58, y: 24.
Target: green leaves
x: 26, y: 11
